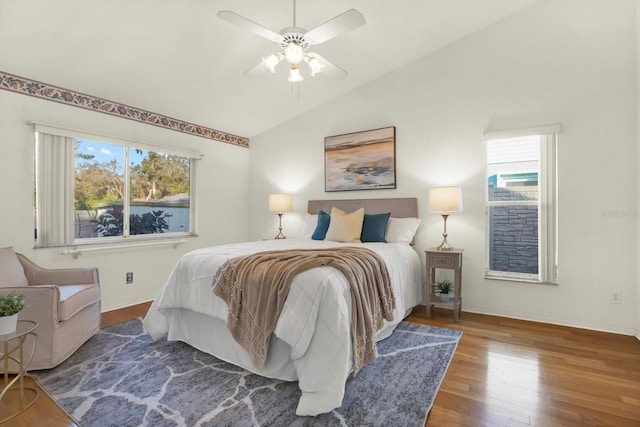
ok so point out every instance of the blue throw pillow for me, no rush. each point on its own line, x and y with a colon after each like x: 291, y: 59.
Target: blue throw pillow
x: 374, y: 227
x: 323, y: 225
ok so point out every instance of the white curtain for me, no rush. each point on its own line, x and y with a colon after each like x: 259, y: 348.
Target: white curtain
x: 54, y: 189
x: 549, y: 208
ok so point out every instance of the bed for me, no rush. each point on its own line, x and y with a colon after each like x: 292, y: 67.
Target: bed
x: 311, y: 342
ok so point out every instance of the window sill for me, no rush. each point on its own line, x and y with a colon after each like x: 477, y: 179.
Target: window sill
x: 120, y: 241
x: 519, y: 280
x: 77, y: 250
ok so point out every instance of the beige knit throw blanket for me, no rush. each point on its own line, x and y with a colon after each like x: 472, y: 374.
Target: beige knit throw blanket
x: 256, y: 286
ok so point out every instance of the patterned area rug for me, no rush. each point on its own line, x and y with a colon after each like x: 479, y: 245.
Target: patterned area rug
x: 121, y: 378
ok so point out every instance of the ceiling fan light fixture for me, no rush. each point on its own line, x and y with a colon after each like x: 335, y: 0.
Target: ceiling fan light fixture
x: 294, y: 74
x: 314, y: 64
x: 271, y: 61
x: 294, y: 53
x: 294, y: 41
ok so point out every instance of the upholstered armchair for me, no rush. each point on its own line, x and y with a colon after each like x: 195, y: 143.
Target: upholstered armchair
x: 65, y: 302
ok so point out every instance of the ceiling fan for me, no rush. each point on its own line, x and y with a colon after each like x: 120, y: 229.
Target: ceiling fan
x: 294, y: 42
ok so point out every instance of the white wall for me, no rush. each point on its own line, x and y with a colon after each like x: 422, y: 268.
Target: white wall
x: 571, y: 62
x: 221, y: 192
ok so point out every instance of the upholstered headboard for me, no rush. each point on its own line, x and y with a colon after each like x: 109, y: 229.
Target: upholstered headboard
x: 399, y: 207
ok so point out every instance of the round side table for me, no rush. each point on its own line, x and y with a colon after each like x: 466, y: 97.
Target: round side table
x: 12, y: 346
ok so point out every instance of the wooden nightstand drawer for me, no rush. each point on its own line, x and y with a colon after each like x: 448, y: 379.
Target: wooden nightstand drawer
x: 442, y: 261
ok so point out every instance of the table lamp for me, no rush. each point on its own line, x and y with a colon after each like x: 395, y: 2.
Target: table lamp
x: 445, y: 200
x: 280, y: 203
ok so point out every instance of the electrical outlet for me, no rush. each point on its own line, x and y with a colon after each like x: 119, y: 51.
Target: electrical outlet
x: 616, y: 297
x: 129, y: 277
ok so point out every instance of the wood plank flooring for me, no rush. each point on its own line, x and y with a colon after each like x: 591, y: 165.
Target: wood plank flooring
x: 515, y: 373
x: 505, y: 373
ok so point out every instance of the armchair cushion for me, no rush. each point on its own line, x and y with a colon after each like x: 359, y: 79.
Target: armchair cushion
x: 11, y: 271
x: 74, y: 298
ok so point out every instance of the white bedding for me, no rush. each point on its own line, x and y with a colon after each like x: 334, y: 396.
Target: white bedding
x: 312, y: 342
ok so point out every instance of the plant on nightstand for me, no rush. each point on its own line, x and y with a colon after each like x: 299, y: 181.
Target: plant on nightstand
x: 10, y: 305
x: 444, y: 287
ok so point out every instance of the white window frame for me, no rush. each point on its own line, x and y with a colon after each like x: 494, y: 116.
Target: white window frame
x: 69, y: 239
x: 547, y: 206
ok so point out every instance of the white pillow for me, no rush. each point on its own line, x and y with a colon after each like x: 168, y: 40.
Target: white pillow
x: 11, y: 271
x: 309, y: 226
x: 345, y: 227
x: 401, y: 230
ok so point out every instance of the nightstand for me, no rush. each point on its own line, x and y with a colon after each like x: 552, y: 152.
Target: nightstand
x: 451, y: 260
x: 14, y: 361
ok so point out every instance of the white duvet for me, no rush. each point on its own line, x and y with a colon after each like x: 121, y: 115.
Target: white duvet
x: 312, y: 342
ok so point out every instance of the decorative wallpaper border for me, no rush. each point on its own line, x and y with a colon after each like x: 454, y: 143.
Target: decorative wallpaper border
x: 41, y: 90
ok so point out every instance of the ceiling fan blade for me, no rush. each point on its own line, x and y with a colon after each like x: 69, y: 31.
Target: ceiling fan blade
x: 347, y: 21
x: 329, y: 68
x: 248, y: 24
x: 258, y: 69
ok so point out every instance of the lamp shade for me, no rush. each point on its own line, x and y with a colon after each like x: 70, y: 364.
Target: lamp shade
x: 294, y: 53
x: 280, y: 202
x: 445, y: 199
x: 271, y: 61
x: 294, y: 74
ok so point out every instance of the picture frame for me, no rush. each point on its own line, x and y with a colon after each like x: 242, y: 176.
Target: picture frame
x: 363, y: 160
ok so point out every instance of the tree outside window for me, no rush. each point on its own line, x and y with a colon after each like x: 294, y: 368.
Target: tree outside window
x: 158, y: 188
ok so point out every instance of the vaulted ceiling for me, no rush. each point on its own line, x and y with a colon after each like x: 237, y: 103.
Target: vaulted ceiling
x: 175, y: 57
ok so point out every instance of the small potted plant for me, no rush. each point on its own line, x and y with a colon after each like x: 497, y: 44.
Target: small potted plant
x: 10, y: 305
x: 444, y: 287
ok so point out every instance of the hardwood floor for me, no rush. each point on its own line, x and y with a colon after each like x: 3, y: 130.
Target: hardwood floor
x: 505, y: 373
x: 511, y: 373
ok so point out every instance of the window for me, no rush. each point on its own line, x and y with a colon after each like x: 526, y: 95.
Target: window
x: 521, y: 204
x: 92, y: 189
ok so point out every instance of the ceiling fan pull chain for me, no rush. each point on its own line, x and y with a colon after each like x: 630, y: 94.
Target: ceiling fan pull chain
x: 296, y: 87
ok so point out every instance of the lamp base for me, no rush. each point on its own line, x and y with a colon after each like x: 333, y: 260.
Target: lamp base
x: 280, y: 235
x: 444, y: 246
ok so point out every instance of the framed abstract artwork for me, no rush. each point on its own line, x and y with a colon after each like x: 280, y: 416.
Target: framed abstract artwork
x: 360, y: 160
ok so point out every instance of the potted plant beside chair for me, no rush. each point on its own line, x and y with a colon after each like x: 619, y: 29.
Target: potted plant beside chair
x: 444, y: 287
x: 10, y: 305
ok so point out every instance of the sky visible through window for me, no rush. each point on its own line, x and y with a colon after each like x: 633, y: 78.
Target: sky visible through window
x: 105, y: 153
